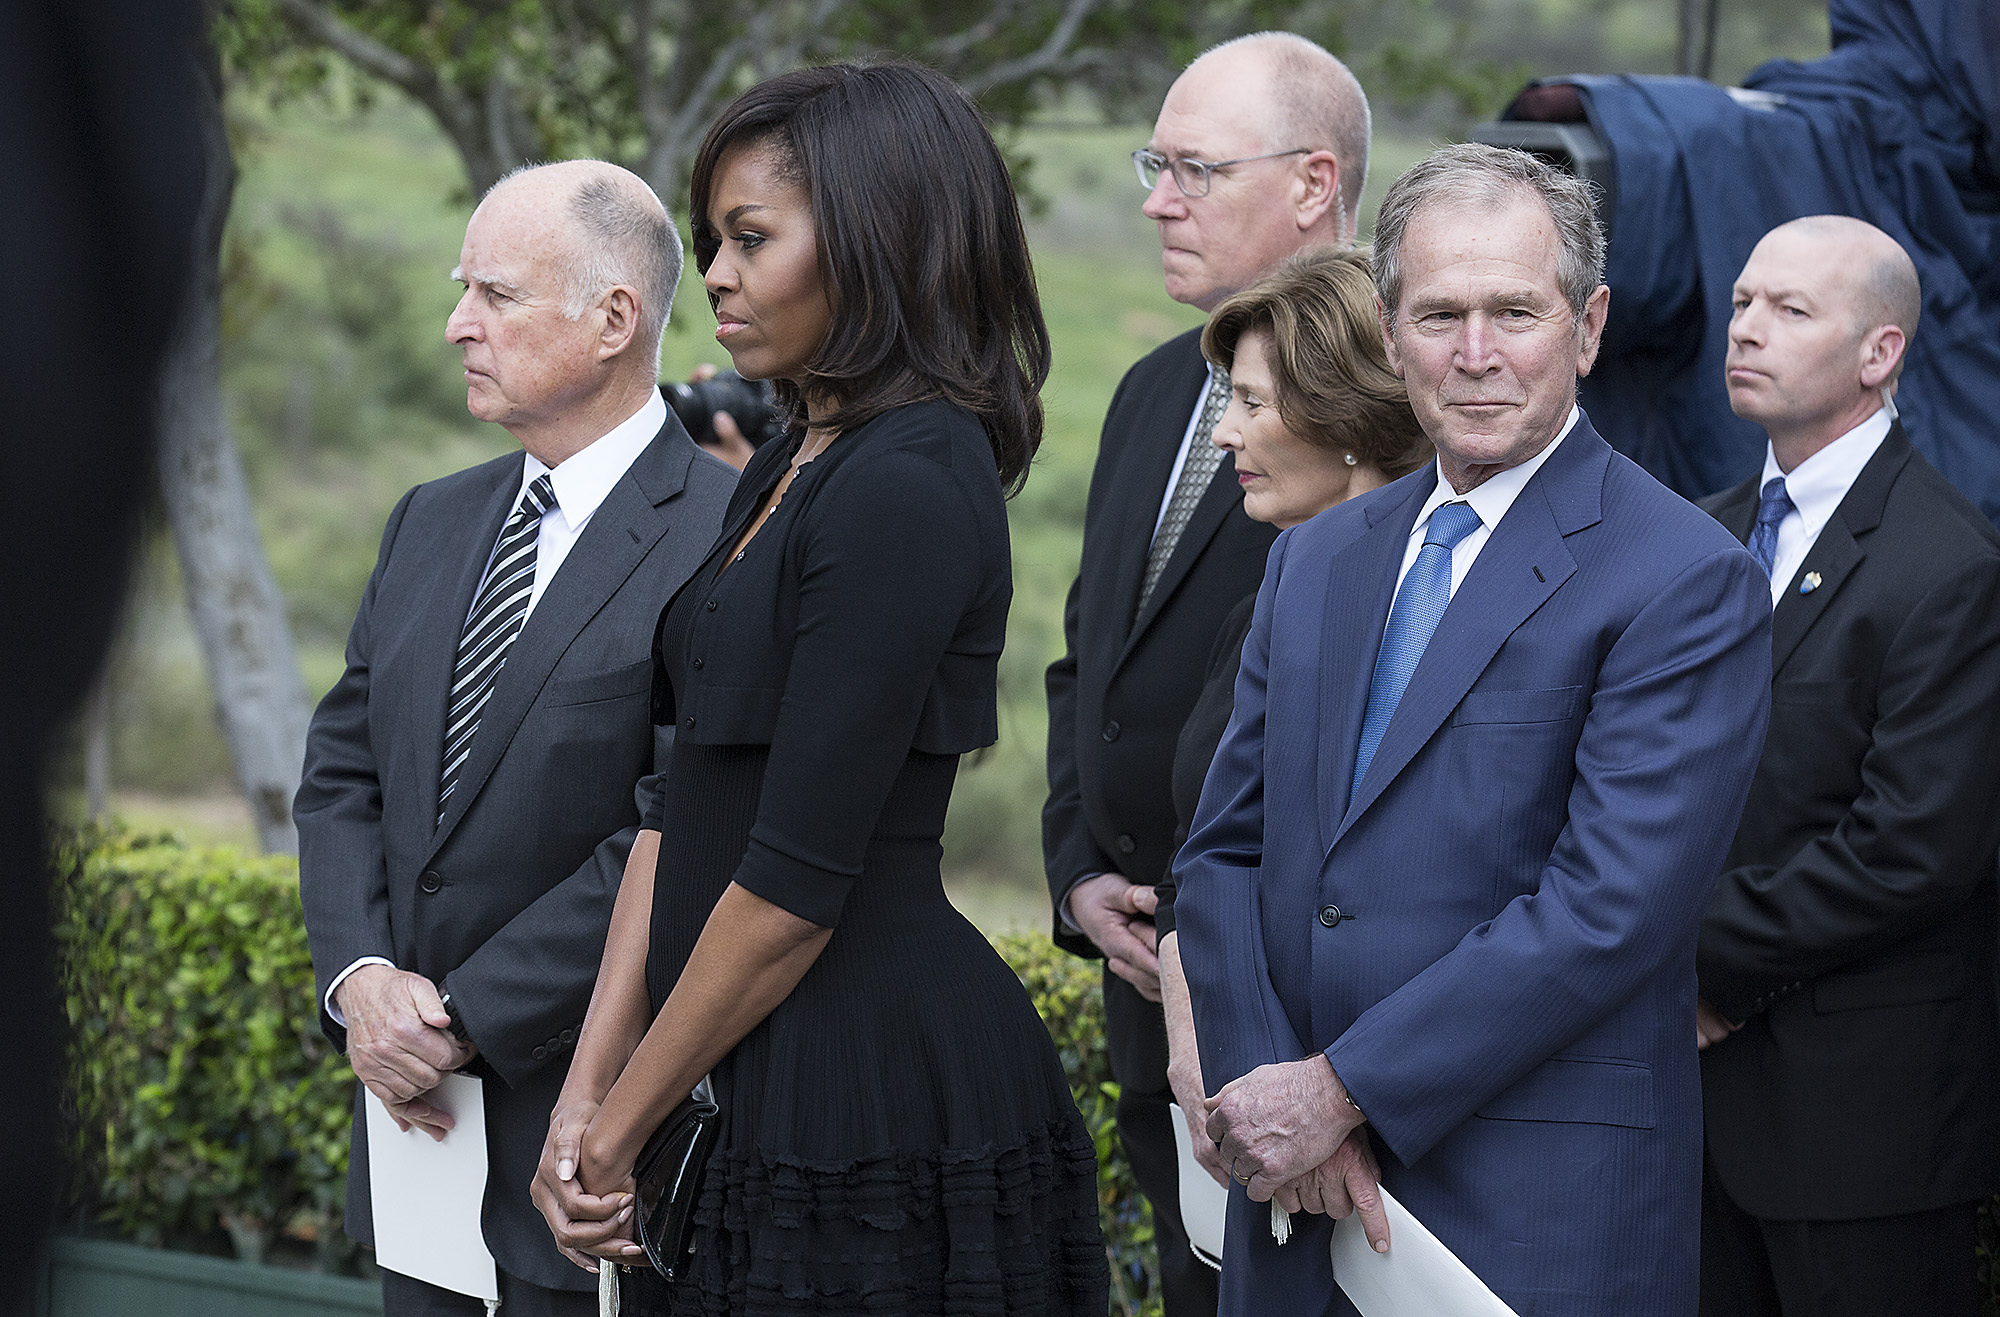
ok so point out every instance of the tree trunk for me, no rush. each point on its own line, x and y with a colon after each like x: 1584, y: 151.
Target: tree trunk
x: 97, y: 747
x: 1696, y: 56
x: 239, y: 616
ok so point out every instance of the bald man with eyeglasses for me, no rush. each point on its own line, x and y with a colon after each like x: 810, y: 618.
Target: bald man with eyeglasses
x: 1260, y: 152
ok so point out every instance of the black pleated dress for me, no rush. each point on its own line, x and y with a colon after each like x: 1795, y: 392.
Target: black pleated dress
x: 898, y: 1136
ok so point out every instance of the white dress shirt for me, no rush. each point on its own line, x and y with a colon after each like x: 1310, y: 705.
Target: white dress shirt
x: 1491, y: 500
x: 1816, y: 486
x: 581, y: 480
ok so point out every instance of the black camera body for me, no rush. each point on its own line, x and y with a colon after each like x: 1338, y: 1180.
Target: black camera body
x: 750, y: 403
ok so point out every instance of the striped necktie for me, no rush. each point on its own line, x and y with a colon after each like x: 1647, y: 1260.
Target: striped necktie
x: 497, y: 614
x: 1197, y: 470
x: 1419, y: 607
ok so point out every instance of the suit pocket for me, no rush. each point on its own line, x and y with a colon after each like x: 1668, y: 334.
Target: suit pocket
x: 1544, y: 706
x: 1580, y: 1090
x: 1904, y: 981
x: 617, y: 684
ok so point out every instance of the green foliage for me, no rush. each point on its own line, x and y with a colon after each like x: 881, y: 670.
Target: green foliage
x: 1069, y: 994
x: 208, y: 1112
x: 206, y: 1104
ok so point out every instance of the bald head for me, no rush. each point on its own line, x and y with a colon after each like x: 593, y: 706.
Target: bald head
x: 1823, y: 314
x: 1297, y: 95
x: 610, y: 229
x: 1877, y: 277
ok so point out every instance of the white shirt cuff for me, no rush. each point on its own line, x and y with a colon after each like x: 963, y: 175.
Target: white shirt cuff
x: 341, y: 978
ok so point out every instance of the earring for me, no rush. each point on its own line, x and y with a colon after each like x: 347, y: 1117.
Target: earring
x: 1349, y: 458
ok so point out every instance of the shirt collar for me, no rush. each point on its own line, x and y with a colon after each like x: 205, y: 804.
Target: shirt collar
x: 584, y: 478
x: 1817, y: 484
x: 1497, y: 492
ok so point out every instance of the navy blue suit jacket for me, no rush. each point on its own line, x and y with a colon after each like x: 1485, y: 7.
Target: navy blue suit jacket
x: 1525, y: 866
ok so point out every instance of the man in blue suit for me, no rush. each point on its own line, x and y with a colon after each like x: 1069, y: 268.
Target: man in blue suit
x: 1494, y: 728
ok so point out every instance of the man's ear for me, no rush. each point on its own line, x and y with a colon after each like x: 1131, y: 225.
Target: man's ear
x: 620, y: 308
x: 1388, y: 337
x: 1318, y: 191
x: 1882, y: 351
x: 1595, y: 312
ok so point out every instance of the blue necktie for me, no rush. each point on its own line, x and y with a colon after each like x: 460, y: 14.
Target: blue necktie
x: 1773, y: 505
x: 1418, y: 609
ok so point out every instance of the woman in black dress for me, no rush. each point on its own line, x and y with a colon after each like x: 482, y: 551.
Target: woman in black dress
x: 897, y: 1134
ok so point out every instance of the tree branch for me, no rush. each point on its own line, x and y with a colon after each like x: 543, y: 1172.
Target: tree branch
x: 458, y: 114
x: 1052, y: 56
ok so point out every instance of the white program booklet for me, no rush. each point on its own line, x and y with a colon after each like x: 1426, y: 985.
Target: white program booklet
x: 1417, y: 1277
x: 1204, y: 1203
x: 426, y: 1194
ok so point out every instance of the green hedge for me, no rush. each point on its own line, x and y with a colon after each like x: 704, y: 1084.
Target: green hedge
x: 209, y: 1110
x: 209, y: 1113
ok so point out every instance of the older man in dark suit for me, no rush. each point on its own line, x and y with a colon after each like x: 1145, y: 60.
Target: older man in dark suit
x: 1851, y: 1075
x: 1260, y: 151
x: 468, y: 799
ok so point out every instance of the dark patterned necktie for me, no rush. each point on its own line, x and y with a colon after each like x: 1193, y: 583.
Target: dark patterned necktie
x: 497, y: 615
x: 1197, y: 469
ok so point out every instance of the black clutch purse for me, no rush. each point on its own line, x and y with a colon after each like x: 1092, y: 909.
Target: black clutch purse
x: 668, y: 1176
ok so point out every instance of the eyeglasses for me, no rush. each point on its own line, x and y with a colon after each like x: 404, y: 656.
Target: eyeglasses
x: 1192, y: 176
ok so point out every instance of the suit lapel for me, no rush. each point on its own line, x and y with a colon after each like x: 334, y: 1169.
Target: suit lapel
x: 1837, y: 552
x: 1738, y: 511
x: 1222, y: 497
x: 1523, y: 563
x: 621, y: 533
x: 1142, y: 477
x: 467, y: 541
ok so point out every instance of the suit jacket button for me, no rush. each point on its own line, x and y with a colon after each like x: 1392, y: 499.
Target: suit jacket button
x: 688, y: 722
x: 569, y: 1035
x: 711, y: 605
x: 1110, y: 732
x: 539, y: 1053
x: 430, y: 881
x: 696, y: 665
x: 1125, y: 844
x: 1330, y: 915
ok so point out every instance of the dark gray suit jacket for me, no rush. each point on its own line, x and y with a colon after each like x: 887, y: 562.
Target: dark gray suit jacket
x: 506, y: 902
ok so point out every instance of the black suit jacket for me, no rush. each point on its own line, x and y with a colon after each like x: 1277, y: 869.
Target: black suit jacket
x: 506, y: 902
x: 1854, y: 926
x: 1118, y: 696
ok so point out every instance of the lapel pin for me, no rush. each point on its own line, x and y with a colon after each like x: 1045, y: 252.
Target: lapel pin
x: 1810, y: 584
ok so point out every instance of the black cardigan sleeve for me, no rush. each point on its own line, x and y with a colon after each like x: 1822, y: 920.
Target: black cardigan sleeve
x: 903, y: 587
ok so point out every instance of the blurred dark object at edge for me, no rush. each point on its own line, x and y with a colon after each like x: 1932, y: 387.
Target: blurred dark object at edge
x: 1899, y: 126
x: 102, y: 173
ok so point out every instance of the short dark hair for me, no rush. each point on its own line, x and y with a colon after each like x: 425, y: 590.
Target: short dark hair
x: 921, y: 247
x: 1335, y: 386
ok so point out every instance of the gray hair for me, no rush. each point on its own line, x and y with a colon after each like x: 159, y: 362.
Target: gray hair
x: 1476, y: 175
x: 1316, y: 102
x: 623, y: 236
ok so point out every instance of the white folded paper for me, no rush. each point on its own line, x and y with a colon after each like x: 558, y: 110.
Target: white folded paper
x: 1417, y: 1277
x: 427, y: 1194
x: 1204, y: 1203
